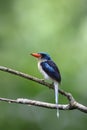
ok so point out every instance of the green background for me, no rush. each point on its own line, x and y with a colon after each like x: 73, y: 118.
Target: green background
x: 58, y: 27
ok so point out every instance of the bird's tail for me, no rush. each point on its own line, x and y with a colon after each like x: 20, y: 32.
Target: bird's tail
x: 56, y: 96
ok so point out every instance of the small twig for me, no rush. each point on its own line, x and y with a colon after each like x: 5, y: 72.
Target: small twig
x: 73, y: 104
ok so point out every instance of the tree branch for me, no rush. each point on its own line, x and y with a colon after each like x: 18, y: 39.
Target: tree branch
x: 73, y: 104
x: 35, y: 103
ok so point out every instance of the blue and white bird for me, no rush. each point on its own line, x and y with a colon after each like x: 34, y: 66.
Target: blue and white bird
x: 50, y: 71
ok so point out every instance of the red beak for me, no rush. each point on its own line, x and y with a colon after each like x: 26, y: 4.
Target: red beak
x: 37, y: 55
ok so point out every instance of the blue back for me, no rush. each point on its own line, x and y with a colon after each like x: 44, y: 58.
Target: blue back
x: 52, y: 70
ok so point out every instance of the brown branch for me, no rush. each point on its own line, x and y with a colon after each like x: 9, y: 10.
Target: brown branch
x: 73, y: 104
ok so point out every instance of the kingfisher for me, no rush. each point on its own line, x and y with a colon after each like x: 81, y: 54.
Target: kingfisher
x: 50, y: 71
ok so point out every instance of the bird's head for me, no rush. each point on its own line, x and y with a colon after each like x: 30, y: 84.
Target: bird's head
x: 41, y: 55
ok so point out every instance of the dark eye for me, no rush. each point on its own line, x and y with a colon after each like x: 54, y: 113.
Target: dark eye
x: 43, y: 55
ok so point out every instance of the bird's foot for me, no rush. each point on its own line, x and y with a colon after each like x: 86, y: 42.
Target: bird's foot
x: 52, y: 83
x: 42, y: 80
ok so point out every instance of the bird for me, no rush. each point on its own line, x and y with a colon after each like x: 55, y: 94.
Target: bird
x: 50, y: 71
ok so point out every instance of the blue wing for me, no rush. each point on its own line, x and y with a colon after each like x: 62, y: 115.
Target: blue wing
x: 52, y: 70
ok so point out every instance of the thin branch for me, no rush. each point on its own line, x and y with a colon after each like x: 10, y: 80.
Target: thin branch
x: 36, y: 103
x: 73, y: 104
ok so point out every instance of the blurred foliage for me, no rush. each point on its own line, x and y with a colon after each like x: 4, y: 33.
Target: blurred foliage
x: 58, y: 27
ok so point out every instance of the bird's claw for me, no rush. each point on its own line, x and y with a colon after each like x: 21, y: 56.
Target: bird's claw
x: 52, y: 83
x: 42, y: 80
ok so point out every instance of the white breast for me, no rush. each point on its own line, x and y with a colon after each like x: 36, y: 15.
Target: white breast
x: 41, y: 71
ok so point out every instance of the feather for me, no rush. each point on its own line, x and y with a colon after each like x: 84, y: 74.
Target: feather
x: 51, y: 69
x: 56, y: 96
